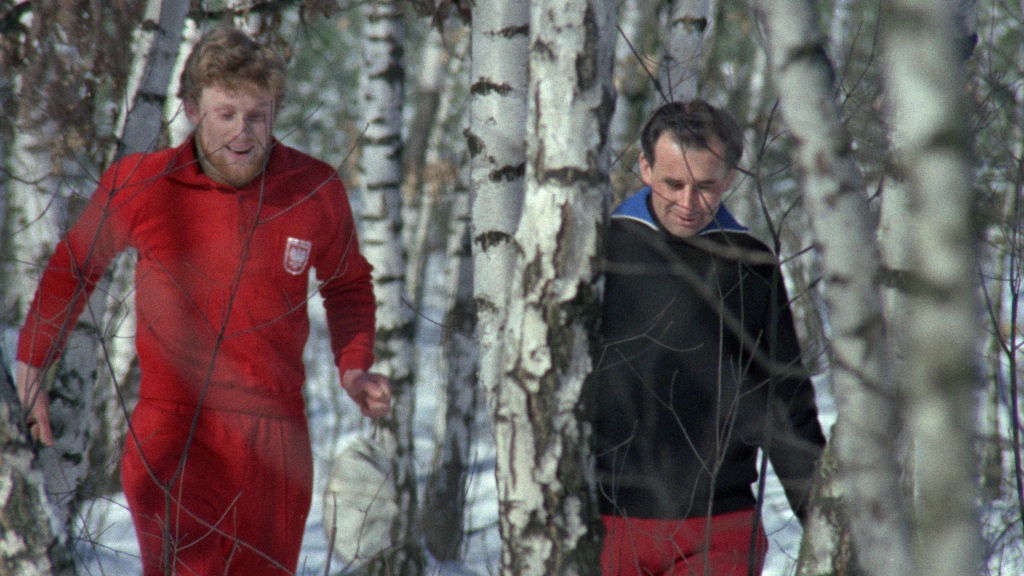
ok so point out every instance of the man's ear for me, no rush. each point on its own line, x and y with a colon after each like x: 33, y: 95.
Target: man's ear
x: 730, y: 178
x: 645, y: 170
x: 191, y: 112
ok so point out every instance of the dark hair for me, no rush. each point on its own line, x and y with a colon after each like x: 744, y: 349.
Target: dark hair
x: 230, y: 57
x: 694, y: 123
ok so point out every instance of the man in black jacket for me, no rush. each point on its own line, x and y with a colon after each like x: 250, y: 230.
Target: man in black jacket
x: 700, y: 365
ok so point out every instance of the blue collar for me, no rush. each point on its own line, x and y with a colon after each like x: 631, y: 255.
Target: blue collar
x: 636, y: 208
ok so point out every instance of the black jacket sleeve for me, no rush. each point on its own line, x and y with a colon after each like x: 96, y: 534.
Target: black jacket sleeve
x: 794, y: 439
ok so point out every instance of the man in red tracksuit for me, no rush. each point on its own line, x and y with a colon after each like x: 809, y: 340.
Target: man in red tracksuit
x: 217, y: 465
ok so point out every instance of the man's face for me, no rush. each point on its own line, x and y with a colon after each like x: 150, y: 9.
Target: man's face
x: 233, y: 128
x: 687, y: 184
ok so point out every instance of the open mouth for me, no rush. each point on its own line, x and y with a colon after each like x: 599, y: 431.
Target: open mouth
x: 240, y: 153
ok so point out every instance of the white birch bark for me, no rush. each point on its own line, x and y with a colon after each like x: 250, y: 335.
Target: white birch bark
x: 745, y: 202
x: 836, y: 200
x: 156, y: 47
x: 924, y: 73
x: 446, y: 489
x: 826, y: 547
x: 46, y: 188
x: 30, y: 535
x: 894, y: 244
x: 418, y: 206
x: 496, y: 141
x: 447, y: 178
x: 630, y: 76
x: 680, y: 68
x: 178, y: 125
x: 38, y: 211
x: 839, y: 40
x: 545, y: 479
x: 6, y: 137
x: 380, y: 168
x: 894, y: 218
x: 497, y: 146
x: 635, y: 66
x: 35, y: 212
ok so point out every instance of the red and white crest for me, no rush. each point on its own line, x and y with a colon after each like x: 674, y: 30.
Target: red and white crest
x: 296, y: 255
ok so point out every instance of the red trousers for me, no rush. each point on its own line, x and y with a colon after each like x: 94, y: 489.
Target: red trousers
x: 716, y: 546
x: 235, y: 503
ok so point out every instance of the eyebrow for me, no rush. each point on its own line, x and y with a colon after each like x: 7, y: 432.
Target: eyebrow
x: 264, y: 107
x: 706, y: 182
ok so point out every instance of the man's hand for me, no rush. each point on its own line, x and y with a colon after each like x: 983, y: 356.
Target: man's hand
x: 34, y: 400
x: 371, y: 391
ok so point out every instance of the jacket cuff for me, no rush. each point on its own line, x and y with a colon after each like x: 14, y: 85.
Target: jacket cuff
x: 355, y: 360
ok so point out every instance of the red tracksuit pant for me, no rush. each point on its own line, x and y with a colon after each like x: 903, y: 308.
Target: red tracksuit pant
x: 235, y: 503
x: 716, y: 546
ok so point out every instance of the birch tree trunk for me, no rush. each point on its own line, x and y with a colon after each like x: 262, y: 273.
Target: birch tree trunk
x: 31, y: 536
x: 496, y: 141
x: 747, y: 203
x: 446, y: 489
x: 631, y: 75
x: 894, y: 244
x: 497, y: 145
x: 839, y: 40
x: 49, y: 161
x: 549, y: 519
x: 381, y: 84
x: 7, y: 102
x: 680, y: 68
x: 636, y: 46
x: 923, y: 68
x: 156, y: 48
x: 837, y: 203
x: 418, y: 207
x: 447, y: 178
x: 826, y: 547
x: 49, y: 183
x: 178, y: 125
x: 38, y: 212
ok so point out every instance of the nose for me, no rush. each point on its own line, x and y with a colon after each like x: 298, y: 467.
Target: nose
x: 242, y: 129
x: 688, y: 197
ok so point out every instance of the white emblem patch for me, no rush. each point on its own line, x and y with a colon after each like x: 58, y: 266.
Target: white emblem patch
x: 296, y: 255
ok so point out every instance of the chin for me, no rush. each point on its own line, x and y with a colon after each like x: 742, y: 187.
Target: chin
x: 240, y: 177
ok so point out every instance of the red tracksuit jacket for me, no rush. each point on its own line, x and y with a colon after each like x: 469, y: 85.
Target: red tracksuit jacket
x: 222, y: 275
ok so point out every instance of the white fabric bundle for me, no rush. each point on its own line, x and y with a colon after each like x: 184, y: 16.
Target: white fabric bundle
x: 359, y: 502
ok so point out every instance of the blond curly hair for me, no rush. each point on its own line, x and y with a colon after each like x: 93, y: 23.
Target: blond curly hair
x: 230, y: 58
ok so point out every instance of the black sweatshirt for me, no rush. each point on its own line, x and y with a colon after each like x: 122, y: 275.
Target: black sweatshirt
x: 699, y: 367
